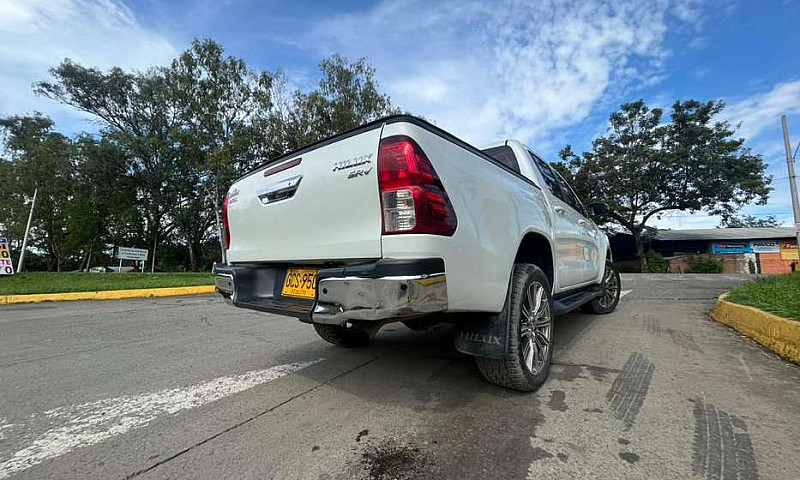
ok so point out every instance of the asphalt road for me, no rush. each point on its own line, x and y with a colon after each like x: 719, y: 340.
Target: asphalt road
x: 187, y: 387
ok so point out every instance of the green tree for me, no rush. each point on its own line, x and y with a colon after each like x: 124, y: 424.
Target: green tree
x: 347, y: 96
x: 644, y: 168
x: 748, y: 221
x: 139, y: 107
x: 40, y: 159
x: 103, y: 205
x: 223, y: 104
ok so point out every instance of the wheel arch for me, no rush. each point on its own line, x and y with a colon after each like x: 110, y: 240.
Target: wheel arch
x: 537, y: 249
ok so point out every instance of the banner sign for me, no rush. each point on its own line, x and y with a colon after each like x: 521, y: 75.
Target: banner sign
x: 765, y: 246
x: 127, y: 253
x: 789, y: 251
x: 6, y: 267
x: 731, y: 247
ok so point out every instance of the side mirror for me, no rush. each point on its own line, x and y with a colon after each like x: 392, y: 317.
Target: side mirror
x: 598, y: 209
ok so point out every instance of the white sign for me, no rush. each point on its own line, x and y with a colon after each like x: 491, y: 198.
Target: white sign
x: 6, y: 267
x: 766, y: 246
x: 127, y: 253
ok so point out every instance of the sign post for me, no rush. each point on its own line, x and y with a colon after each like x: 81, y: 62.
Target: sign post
x: 27, y: 231
x: 128, y: 253
x: 6, y: 266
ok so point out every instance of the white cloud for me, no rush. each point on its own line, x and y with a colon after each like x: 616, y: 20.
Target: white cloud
x: 38, y: 34
x: 762, y: 111
x: 488, y: 70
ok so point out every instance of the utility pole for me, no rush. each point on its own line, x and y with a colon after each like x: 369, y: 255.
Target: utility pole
x: 27, y: 231
x: 792, y: 178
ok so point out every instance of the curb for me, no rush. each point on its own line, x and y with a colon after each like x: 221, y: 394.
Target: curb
x: 106, y: 295
x: 780, y: 335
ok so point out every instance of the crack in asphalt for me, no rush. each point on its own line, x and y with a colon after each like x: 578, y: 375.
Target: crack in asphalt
x: 246, y: 421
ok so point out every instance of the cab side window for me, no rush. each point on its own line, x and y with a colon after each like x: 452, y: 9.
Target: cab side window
x: 571, y: 199
x: 548, y: 175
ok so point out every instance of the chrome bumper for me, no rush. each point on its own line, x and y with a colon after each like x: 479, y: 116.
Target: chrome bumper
x: 373, y: 299
x: 223, y: 283
x: 375, y: 291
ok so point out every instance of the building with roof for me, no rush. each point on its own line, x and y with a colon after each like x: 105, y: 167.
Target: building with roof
x: 742, y: 250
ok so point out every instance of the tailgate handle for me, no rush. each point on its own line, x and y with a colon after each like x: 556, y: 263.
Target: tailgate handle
x: 279, y: 191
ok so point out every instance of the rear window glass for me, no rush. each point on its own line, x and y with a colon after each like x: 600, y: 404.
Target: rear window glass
x: 547, y: 175
x: 504, y: 155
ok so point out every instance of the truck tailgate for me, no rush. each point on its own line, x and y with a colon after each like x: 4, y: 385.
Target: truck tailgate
x: 326, y: 207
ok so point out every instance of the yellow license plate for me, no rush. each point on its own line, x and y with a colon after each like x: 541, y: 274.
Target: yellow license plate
x: 300, y: 282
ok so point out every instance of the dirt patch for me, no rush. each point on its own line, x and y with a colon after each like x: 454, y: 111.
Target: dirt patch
x: 390, y: 460
x: 558, y: 401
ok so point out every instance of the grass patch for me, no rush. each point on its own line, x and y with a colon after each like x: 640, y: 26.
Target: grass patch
x: 779, y: 294
x: 50, y: 282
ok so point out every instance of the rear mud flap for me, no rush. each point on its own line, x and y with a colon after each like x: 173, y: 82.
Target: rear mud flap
x: 482, y: 335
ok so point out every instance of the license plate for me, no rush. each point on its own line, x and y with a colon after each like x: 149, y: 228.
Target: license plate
x: 300, y: 282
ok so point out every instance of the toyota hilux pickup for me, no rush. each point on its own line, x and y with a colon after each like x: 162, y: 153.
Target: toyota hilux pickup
x: 400, y: 221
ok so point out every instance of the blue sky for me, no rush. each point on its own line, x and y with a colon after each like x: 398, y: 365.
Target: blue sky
x: 546, y: 72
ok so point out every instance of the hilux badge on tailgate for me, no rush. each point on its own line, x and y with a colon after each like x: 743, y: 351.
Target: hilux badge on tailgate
x: 352, y: 164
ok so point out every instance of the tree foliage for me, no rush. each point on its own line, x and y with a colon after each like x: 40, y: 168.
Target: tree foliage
x: 644, y: 167
x: 172, y: 140
x: 748, y: 221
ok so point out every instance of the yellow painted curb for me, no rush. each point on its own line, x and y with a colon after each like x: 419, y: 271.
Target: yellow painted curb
x: 779, y: 334
x: 106, y: 295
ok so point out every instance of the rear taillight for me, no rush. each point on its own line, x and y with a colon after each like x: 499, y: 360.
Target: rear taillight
x: 226, y: 226
x: 412, y: 196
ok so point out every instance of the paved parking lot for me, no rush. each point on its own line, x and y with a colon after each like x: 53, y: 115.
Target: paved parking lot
x: 187, y: 387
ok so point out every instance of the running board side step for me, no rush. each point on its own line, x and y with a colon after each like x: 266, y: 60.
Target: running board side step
x: 569, y: 301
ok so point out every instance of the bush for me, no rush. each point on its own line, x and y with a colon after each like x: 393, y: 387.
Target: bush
x: 704, y: 265
x: 655, y: 263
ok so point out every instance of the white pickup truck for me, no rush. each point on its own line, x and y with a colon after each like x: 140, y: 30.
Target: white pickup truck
x: 398, y: 220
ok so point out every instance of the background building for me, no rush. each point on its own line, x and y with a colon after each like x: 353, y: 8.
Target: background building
x: 741, y: 250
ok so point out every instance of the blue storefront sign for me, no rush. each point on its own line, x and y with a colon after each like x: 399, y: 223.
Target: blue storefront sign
x: 731, y: 247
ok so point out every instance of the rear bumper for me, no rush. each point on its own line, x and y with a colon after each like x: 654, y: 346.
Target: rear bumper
x: 375, y: 291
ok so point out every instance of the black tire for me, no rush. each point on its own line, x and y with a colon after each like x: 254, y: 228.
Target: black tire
x: 512, y: 371
x: 612, y: 287
x: 342, y: 336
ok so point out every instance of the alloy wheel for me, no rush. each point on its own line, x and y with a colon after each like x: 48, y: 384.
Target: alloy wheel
x: 536, y: 328
x: 610, y: 288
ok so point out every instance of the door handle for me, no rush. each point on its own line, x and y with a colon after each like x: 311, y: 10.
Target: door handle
x: 559, y: 210
x: 279, y: 191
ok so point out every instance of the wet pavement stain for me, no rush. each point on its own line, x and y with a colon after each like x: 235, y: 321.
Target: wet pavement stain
x: 623, y: 441
x: 557, y: 401
x: 468, y: 410
x: 362, y: 434
x: 570, y: 373
x: 629, y: 457
x: 540, y: 454
x: 562, y: 456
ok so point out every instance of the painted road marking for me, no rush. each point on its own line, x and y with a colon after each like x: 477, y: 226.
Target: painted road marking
x: 90, y: 423
x: 624, y: 292
x: 4, y: 426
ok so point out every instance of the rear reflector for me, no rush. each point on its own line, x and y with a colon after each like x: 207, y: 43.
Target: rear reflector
x: 226, y: 227
x: 412, y: 196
